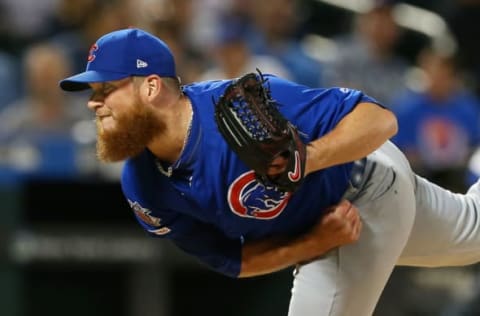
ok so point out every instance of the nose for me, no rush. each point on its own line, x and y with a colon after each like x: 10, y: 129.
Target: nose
x: 93, y: 105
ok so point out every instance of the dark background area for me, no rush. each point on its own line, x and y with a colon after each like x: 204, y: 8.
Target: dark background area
x: 73, y: 282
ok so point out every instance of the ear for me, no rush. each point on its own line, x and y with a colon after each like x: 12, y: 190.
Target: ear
x: 151, y: 87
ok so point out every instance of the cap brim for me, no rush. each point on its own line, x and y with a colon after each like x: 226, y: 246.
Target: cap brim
x: 80, y: 81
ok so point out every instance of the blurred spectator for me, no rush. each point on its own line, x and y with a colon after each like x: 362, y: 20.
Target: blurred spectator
x: 70, y: 14
x: 36, y: 131
x: 82, y: 22
x: 367, y: 59
x: 232, y: 55
x: 439, y: 127
x: 170, y: 20
x: 463, y: 17
x: 27, y: 20
x: 205, y: 22
x: 8, y: 80
x: 273, y: 33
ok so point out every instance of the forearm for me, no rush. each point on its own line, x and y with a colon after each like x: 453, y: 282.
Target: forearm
x: 274, y: 254
x: 340, y: 225
x: 358, y: 134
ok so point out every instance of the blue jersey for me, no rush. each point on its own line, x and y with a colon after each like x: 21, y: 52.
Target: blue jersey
x: 211, y: 203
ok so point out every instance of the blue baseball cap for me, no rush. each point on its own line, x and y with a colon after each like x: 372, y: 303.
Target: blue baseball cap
x: 120, y: 54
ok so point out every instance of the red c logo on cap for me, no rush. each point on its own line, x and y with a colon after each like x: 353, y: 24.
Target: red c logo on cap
x: 91, y: 55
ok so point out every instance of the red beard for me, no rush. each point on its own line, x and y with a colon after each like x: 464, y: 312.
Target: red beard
x: 131, y: 135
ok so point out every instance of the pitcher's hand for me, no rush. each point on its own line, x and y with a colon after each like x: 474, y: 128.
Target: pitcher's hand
x: 340, y: 225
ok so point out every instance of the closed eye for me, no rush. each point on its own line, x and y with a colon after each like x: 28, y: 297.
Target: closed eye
x: 104, y: 91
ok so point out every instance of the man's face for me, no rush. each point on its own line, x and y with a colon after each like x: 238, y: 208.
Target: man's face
x: 125, y: 125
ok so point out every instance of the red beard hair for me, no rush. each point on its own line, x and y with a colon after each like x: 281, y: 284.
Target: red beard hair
x: 130, y: 136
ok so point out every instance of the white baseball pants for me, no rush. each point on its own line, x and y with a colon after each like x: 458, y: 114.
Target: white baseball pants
x: 406, y: 221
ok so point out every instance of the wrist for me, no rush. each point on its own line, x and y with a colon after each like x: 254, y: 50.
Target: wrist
x: 310, y: 160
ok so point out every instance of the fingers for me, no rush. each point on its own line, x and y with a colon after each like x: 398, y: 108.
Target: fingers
x: 352, y: 223
x: 356, y: 227
x: 341, y: 208
x: 278, y: 166
x: 340, y: 225
x: 346, y: 210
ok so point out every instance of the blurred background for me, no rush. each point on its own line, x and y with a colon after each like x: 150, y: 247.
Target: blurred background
x: 69, y: 244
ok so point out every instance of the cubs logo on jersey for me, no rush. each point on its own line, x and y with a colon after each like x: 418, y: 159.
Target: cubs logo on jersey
x: 249, y: 198
x: 144, y: 215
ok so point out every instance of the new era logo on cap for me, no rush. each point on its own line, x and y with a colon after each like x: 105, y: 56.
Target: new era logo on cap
x: 141, y: 63
x: 123, y: 53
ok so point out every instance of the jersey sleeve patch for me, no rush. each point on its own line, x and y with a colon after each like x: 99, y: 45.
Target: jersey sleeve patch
x: 151, y: 223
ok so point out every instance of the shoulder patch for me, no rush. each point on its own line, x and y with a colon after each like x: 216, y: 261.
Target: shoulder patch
x: 144, y: 215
